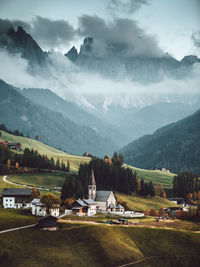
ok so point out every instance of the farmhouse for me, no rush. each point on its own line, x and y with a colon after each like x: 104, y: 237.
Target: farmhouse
x: 84, y: 207
x: 15, y: 146
x: 48, y: 223
x: 39, y: 208
x: 102, y: 199
x: 16, y: 198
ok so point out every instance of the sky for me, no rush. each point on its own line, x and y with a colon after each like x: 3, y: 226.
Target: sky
x: 55, y: 24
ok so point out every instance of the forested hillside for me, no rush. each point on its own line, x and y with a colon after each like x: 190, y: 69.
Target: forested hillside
x: 176, y: 147
x: 18, y: 112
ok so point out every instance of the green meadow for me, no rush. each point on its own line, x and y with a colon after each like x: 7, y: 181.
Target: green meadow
x: 100, y: 245
x: 139, y: 203
x: 43, y: 149
x: 47, y: 180
x: 11, y: 218
x: 164, y: 178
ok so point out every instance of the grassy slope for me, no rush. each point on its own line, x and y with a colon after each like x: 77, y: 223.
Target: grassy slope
x: 155, y: 176
x: 46, y: 150
x: 47, y: 180
x: 138, y: 203
x: 98, y: 245
x: 4, y: 185
x: 11, y: 218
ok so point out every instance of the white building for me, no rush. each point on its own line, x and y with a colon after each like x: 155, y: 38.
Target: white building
x: 103, y: 199
x: 16, y: 198
x: 39, y: 209
x: 85, y: 207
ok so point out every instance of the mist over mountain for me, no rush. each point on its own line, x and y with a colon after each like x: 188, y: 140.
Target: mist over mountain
x: 75, y: 113
x: 119, y: 93
x: 115, y: 63
x: 18, y: 112
x: 175, y: 147
x: 22, y: 43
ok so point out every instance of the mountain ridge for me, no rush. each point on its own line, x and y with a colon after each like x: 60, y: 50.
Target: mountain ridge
x: 54, y: 129
x: 175, y: 146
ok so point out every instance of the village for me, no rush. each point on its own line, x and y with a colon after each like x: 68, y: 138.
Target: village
x: 98, y: 202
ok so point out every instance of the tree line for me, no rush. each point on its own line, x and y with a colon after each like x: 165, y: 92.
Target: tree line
x: 185, y: 183
x: 29, y: 159
x: 15, y: 132
x: 109, y: 175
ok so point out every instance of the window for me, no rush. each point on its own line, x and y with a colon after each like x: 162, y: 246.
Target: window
x: 6, y: 199
x: 10, y: 200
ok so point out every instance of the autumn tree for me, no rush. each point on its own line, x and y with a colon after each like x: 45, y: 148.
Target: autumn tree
x: 35, y: 193
x: 8, y: 164
x: 50, y: 201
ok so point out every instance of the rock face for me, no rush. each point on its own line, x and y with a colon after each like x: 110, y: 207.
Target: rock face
x: 113, y: 62
x: 190, y: 60
x: 72, y: 54
x: 21, y: 42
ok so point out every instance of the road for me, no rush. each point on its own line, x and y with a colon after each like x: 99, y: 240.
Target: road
x: 16, y: 229
x: 24, y: 185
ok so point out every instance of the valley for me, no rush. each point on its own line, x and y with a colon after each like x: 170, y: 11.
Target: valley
x: 99, y: 133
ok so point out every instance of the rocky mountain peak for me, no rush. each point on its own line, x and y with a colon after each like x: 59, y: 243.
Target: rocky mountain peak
x: 72, y: 54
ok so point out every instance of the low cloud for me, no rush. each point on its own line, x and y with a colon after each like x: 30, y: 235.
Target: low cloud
x: 126, y: 6
x: 120, y: 36
x: 92, y: 90
x: 196, y: 39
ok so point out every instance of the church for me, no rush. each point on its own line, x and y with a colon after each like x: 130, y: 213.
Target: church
x: 104, y: 200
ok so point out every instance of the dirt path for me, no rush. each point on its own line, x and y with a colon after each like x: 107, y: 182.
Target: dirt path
x: 18, y: 228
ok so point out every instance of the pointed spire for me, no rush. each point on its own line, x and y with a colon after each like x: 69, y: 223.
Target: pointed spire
x: 93, y: 182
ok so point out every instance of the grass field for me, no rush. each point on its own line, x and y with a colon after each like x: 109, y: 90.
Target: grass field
x: 138, y: 203
x: 4, y: 185
x: 164, y: 178
x: 47, y: 180
x: 99, y: 245
x: 11, y: 218
x: 43, y: 149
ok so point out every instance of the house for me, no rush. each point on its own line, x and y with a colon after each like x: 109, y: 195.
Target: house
x: 120, y: 208
x: 48, y: 223
x: 16, y: 198
x: 177, y: 200
x: 165, y: 170
x: 39, y: 209
x: 85, y: 207
x: 173, y: 210
x: 103, y: 199
x: 15, y: 146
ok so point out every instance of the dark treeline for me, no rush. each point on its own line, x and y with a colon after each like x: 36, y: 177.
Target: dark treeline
x: 15, y: 132
x: 108, y: 177
x: 29, y: 159
x: 185, y: 183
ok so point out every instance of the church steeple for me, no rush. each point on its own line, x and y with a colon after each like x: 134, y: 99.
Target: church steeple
x: 92, y: 187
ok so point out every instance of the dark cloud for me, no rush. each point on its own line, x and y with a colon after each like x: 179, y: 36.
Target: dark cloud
x: 5, y: 25
x: 126, y: 6
x: 48, y: 33
x: 121, y: 35
x: 196, y: 39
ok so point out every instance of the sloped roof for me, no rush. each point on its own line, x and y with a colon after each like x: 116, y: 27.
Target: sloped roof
x: 16, y: 192
x: 102, y: 195
x: 120, y: 206
x: 89, y: 201
x: 93, y: 182
x: 80, y: 202
x: 112, y: 206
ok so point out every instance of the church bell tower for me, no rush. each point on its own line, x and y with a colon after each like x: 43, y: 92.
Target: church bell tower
x: 92, y: 187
